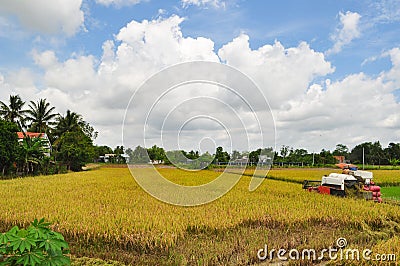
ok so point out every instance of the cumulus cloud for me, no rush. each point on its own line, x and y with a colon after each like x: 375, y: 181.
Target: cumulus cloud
x: 282, y: 73
x: 347, y: 31
x: 100, y: 88
x: 49, y: 17
x: 355, y: 109
x: 307, y: 113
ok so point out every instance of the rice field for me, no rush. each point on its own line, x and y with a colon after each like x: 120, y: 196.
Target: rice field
x: 104, y: 214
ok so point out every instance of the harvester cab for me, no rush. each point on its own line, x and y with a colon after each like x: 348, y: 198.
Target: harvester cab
x: 350, y: 183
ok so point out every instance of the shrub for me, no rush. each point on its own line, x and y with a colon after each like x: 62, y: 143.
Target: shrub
x: 36, y: 245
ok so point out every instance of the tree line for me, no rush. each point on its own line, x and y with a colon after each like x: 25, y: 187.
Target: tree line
x: 370, y: 153
x: 69, y: 143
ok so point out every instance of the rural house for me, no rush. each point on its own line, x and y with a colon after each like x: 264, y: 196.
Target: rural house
x: 22, y: 135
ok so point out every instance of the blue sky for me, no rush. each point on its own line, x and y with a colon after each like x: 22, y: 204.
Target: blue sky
x: 352, y: 36
x: 289, y: 22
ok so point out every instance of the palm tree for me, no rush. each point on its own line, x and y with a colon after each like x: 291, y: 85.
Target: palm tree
x: 33, y: 151
x: 70, y: 122
x: 41, y: 115
x: 13, y: 112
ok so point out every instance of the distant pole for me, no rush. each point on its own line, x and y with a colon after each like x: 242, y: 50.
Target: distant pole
x: 363, y: 158
x: 313, y: 159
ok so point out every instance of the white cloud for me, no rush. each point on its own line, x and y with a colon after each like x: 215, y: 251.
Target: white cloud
x: 282, y: 73
x: 49, y: 17
x: 308, y: 114
x: 100, y: 90
x: 384, y: 11
x: 118, y: 3
x: 347, y: 31
x: 394, y: 73
x: 356, y: 109
x: 214, y: 3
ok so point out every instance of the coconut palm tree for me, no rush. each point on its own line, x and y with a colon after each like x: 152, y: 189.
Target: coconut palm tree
x: 13, y: 112
x: 70, y: 122
x: 41, y: 115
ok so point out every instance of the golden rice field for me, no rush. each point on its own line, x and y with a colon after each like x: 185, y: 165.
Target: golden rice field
x: 104, y: 214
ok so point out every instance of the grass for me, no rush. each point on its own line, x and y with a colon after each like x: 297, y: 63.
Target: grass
x: 104, y: 214
x: 391, y: 193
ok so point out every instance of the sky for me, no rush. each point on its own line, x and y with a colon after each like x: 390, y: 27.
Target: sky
x: 329, y: 71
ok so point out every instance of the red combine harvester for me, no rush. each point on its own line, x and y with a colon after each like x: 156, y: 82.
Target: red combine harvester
x: 350, y: 183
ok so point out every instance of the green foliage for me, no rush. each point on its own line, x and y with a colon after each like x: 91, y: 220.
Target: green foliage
x: 254, y: 156
x: 8, y: 145
x: 373, y: 153
x: 73, y: 122
x: 341, y: 150
x: 13, y: 112
x: 74, y: 149
x: 101, y: 151
x: 41, y: 115
x: 118, y: 157
x: 36, y: 245
x: 156, y: 153
x: 31, y: 153
x: 221, y: 156
x: 139, y: 155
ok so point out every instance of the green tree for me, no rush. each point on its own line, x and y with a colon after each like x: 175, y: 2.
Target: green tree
x: 139, y: 155
x: 13, y: 112
x: 392, y: 151
x: 297, y: 155
x: 74, y: 149
x: 41, y: 115
x: 156, y: 154
x: 192, y: 155
x: 101, y: 151
x: 285, y: 151
x: 32, y: 151
x: 205, y: 160
x: 377, y: 154
x: 325, y: 157
x: 341, y: 150
x: 175, y: 157
x: 221, y: 156
x: 236, y: 155
x: 89, y: 130
x: 254, y: 156
x: 8, y: 145
x: 119, y: 151
x: 70, y: 122
x: 373, y: 153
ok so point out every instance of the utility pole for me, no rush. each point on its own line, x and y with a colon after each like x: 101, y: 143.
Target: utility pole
x: 313, y: 159
x: 363, y: 158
